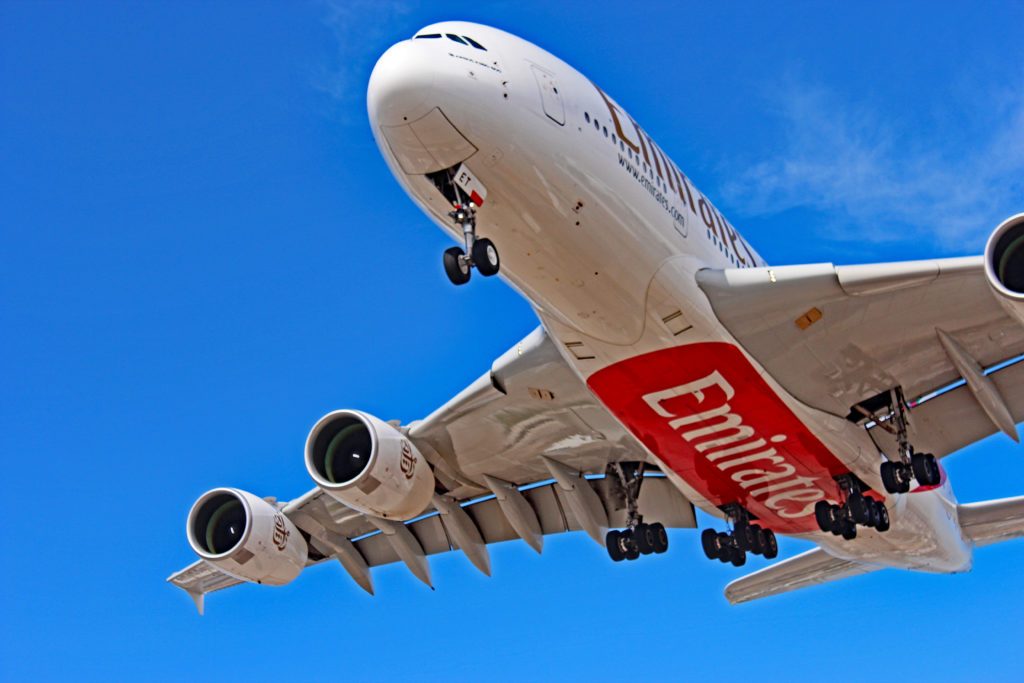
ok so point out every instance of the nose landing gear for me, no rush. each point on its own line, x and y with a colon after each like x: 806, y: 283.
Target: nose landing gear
x: 480, y: 253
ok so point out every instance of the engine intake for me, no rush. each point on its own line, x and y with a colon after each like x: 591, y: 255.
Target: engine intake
x: 368, y: 465
x: 1004, y: 265
x: 246, y: 537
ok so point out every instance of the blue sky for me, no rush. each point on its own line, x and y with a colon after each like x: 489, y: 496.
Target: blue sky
x: 202, y: 252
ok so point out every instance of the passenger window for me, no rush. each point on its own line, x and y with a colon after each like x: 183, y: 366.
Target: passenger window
x: 475, y: 44
x: 452, y: 36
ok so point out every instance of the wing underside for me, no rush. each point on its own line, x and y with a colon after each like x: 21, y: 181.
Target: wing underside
x: 494, y: 448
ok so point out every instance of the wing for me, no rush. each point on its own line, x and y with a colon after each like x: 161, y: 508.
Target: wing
x: 807, y: 569
x: 521, y: 453
x: 992, y: 521
x: 838, y: 336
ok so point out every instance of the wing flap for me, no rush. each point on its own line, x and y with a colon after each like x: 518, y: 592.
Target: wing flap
x: 807, y: 569
x: 658, y: 500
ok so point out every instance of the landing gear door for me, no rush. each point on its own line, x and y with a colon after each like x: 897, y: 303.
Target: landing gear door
x: 549, y: 95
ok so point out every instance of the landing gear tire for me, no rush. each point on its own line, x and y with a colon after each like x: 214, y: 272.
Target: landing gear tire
x: 455, y: 266
x: 660, y: 537
x: 744, y: 535
x: 611, y: 541
x: 873, y: 513
x: 849, y: 530
x: 724, y: 542
x: 738, y: 557
x: 771, y: 546
x: 883, y: 518
x: 858, y: 505
x: 709, y: 542
x: 889, y: 480
x: 926, y: 469
x: 757, y: 547
x: 485, y: 257
x: 644, y: 538
x: 896, y: 477
x: 823, y: 515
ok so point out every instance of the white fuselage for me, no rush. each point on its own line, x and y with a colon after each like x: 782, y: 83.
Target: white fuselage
x: 603, y: 234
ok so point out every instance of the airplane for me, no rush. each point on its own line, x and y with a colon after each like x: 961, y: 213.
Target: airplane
x: 673, y: 368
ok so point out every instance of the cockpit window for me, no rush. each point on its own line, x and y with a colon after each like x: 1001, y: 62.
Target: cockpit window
x: 474, y: 43
x: 429, y: 35
x: 452, y: 36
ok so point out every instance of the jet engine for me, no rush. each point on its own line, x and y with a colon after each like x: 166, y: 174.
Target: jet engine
x: 368, y: 465
x: 246, y: 537
x: 1004, y: 265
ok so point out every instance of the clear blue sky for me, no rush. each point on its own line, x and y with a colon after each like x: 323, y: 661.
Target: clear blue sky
x: 202, y: 252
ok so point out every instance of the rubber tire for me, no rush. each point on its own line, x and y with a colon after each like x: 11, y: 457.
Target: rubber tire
x: 873, y: 514
x: 453, y: 266
x: 823, y: 515
x: 644, y: 538
x: 759, y: 540
x: 889, y: 478
x: 485, y: 257
x: 725, y: 543
x: 632, y: 550
x: 883, y: 518
x: 905, y: 474
x: 771, y: 546
x: 660, y: 538
x: 743, y: 536
x: 858, y: 508
x: 739, y: 557
x: 837, y: 525
x: 709, y: 543
x: 611, y: 541
x: 926, y: 469
x: 849, y: 530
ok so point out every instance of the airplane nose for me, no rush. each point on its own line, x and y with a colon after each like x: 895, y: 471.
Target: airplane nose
x: 400, y: 85
x: 404, y: 103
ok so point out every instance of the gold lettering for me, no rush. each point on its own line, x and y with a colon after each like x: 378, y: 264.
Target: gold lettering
x: 614, y: 110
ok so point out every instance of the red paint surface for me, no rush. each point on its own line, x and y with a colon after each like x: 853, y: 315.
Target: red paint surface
x: 800, y: 458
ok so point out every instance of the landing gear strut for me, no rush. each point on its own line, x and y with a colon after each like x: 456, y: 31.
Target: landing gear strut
x: 858, y: 509
x: 637, y: 538
x: 899, y: 473
x: 479, y: 252
x: 745, y: 537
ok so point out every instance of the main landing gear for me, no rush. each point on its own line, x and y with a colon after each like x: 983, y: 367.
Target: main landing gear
x: 745, y: 537
x: 898, y: 474
x: 858, y: 509
x: 637, y: 538
x: 479, y: 252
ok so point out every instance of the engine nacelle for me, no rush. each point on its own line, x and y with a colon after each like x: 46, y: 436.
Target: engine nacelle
x: 246, y: 537
x: 1004, y: 265
x: 368, y: 465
